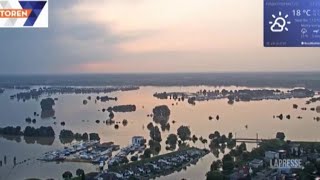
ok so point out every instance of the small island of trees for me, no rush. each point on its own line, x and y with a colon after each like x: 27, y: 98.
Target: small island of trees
x: 106, y: 98
x: 28, y: 131
x: 42, y: 135
x: 47, y: 104
x: 122, y: 108
x: 67, y: 136
x: 47, y: 110
x: 161, y: 115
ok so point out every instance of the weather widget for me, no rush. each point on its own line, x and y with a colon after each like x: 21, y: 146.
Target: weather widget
x: 292, y: 23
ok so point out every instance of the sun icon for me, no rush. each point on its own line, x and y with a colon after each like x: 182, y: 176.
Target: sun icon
x: 279, y: 24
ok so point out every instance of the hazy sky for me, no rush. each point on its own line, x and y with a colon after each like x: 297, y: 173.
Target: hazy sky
x: 104, y: 36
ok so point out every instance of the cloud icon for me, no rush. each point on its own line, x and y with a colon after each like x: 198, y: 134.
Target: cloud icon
x: 276, y: 27
x: 279, y: 23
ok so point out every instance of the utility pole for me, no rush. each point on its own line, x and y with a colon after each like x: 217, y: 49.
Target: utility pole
x: 257, y: 136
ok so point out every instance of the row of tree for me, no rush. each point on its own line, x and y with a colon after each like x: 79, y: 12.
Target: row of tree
x: 79, y: 172
x: 122, y: 108
x: 28, y: 131
x: 67, y: 136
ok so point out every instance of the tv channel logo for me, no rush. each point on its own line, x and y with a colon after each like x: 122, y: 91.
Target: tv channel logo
x: 24, y: 13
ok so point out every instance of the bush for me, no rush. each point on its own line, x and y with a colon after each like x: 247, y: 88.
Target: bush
x: 46, y: 104
x: 134, y: 158
x: 94, y: 136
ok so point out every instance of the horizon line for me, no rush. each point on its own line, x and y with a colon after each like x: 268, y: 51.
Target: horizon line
x: 160, y: 73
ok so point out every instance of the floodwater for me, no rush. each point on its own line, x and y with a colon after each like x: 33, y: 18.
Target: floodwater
x: 257, y: 115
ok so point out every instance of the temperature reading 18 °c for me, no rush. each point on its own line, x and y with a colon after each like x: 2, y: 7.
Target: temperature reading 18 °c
x: 304, y: 12
x: 291, y: 24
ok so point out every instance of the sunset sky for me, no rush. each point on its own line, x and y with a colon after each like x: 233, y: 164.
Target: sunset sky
x: 127, y: 36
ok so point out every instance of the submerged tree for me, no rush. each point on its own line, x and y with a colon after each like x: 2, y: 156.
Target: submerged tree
x: 161, y: 115
x: 280, y: 135
x: 216, y: 165
x: 155, y: 134
x: 155, y: 147
x: 227, y: 164
x: 46, y: 104
x: 214, y: 175
x: 184, y: 133
x: 111, y: 115
x: 67, y: 175
x: 147, y: 153
x: 80, y: 173
x: 172, y: 140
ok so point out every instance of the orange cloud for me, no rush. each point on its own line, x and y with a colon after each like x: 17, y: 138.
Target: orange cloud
x: 178, y: 25
x: 183, y: 36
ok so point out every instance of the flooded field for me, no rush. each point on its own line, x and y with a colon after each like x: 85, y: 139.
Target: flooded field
x: 243, y: 119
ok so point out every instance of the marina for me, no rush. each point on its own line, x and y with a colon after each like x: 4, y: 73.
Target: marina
x: 85, y: 152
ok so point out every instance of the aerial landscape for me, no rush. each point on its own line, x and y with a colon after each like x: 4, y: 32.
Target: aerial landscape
x: 157, y: 89
x: 157, y: 131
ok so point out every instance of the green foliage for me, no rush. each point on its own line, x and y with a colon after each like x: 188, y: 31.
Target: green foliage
x: 150, y: 126
x: 223, y: 139
x: 204, y: 141
x: 214, y: 175
x: 172, y: 140
x: 155, y: 134
x: 184, y: 133
x: 94, y: 136
x: 271, y: 145
x: 12, y: 131
x: 309, y: 168
x: 214, y: 144
x: 46, y: 104
x: 318, y: 166
x: 231, y: 143
x: 242, y: 147
x: 155, y: 146
x: 161, y: 114
x: 67, y: 175
x: 227, y: 164
x: 134, y: 158
x: 161, y: 111
x: 194, y: 138
x: 280, y: 135
x: 39, y: 132
x: 80, y: 172
x: 147, y: 153
x: 216, y: 165
x: 111, y: 115
x: 211, y: 136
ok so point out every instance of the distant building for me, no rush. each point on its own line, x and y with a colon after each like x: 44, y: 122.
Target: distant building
x: 296, y: 150
x: 269, y: 155
x: 137, y: 140
x: 256, y: 163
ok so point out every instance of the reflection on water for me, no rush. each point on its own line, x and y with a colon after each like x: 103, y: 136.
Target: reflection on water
x: 161, y: 115
x: 39, y: 140
x: 11, y: 138
x: 48, y: 141
x: 47, y: 114
x: 256, y: 116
